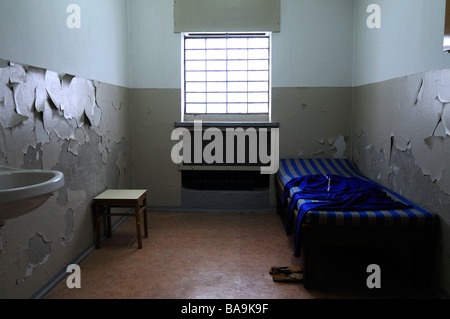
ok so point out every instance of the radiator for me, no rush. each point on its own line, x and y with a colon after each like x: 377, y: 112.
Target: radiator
x: 224, y: 180
x: 226, y: 147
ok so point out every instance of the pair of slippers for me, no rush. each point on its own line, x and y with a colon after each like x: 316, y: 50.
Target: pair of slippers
x: 287, y: 274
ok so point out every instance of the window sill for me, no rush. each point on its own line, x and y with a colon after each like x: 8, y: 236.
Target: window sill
x: 206, y: 124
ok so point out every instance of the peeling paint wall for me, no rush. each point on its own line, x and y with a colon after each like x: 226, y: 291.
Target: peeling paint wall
x: 401, y: 138
x: 154, y: 113
x: 313, y: 121
x: 62, y: 122
x: 39, y: 33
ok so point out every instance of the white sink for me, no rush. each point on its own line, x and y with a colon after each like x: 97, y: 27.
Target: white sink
x: 22, y: 190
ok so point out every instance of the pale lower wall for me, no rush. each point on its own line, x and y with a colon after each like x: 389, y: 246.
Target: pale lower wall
x: 66, y: 123
x: 312, y: 122
x: 401, y: 139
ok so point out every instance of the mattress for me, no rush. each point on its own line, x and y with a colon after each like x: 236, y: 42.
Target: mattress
x: 413, y: 216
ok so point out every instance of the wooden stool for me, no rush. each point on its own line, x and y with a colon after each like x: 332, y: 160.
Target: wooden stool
x: 136, y: 198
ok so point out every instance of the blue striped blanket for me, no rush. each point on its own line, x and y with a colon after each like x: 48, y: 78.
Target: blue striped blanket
x: 306, y: 182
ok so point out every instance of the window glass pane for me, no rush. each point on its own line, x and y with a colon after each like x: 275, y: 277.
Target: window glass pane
x: 217, y: 87
x: 194, y: 43
x: 237, y: 43
x: 217, y: 108
x: 258, y: 108
x: 195, y: 76
x: 195, y: 86
x: 217, y: 76
x: 195, y: 54
x: 237, y: 54
x: 195, y: 65
x: 216, y: 54
x: 216, y: 65
x: 258, y: 54
x: 237, y: 76
x: 258, y: 76
x: 258, y: 64
x: 195, y: 108
x: 217, y: 97
x: 237, y: 97
x: 258, y: 86
x: 195, y: 97
x: 237, y: 108
x: 258, y: 42
x: 216, y: 43
x: 237, y: 65
x: 258, y: 97
x: 237, y: 86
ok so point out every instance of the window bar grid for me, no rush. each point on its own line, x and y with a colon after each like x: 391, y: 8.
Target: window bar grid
x: 226, y: 72
x: 227, y: 79
x: 206, y: 78
x: 246, y: 63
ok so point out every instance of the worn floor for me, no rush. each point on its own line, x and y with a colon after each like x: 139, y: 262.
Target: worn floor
x: 219, y: 256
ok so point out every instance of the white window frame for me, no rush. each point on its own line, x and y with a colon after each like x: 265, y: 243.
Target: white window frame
x: 227, y: 115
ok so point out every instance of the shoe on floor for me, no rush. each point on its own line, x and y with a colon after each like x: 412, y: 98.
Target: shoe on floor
x: 293, y: 277
x: 286, y: 269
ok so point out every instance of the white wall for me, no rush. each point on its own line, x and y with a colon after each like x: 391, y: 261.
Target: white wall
x: 314, y: 47
x: 408, y: 42
x: 155, y: 50
x: 35, y: 32
x: 132, y: 43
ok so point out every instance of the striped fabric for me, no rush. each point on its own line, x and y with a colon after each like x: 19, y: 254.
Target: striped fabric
x: 291, y: 168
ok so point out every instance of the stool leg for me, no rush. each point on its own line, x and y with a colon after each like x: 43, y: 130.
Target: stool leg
x: 144, y: 210
x: 108, y: 221
x: 138, y: 225
x: 97, y: 226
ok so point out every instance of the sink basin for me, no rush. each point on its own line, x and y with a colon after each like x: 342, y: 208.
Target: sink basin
x: 22, y: 190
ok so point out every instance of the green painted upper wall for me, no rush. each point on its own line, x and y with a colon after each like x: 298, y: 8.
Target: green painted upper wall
x: 35, y: 32
x: 314, y: 47
x: 132, y: 43
x: 409, y: 40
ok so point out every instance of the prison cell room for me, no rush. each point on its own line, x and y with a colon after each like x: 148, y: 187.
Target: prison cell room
x: 199, y: 149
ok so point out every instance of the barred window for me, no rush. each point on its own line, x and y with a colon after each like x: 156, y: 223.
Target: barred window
x: 226, y: 73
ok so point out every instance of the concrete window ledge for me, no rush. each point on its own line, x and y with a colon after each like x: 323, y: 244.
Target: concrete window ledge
x: 206, y: 124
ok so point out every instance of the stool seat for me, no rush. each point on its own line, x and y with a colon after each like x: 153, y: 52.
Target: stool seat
x: 136, y: 198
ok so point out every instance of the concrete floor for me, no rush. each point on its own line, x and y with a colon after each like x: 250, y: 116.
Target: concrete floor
x: 209, y: 255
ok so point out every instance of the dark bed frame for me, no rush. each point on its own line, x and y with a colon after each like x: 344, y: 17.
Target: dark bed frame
x: 419, y: 241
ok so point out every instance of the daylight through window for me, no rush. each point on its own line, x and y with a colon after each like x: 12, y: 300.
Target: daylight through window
x: 226, y: 73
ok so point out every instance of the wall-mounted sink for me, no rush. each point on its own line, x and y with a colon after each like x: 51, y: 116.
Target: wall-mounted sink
x: 22, y: 190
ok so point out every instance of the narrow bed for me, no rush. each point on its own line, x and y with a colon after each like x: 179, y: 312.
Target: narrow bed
x: 383, y: 218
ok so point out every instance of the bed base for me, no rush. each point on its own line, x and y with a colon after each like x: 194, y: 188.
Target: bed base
x: 419, y: 240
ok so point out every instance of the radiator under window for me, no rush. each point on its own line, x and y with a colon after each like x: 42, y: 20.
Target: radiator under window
x: 224, y: 180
